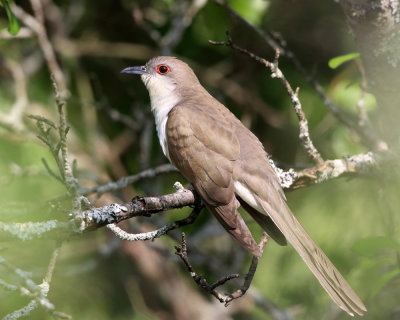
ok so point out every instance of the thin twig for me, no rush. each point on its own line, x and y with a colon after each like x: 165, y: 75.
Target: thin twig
x: 70, y: 181
x: 52, y: 264
x: 182, y: 13
x: 125, y: 181
x: 277, y: 73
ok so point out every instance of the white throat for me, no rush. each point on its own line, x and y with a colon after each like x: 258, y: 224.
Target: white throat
x: 163, y: 99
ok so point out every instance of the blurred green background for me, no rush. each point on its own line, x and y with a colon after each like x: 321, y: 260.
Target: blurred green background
x: 354, y: 220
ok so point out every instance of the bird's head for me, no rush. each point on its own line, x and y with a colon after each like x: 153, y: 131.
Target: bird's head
x: 165, y: 74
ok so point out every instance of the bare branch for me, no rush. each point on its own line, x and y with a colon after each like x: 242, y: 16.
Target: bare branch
x: 275, y: 41
x: 125, y: 181
x: 70, y: 181
x: 36, y: 292
x: 52, y: 265
x: 98, y: 217
x: 34, y: 23
x: 89, y: 47
x: 183, y: 13
x: 94, y: 218
x: 151, y: 235
x: 37, y: 25
x: 277, y: 73
x: 362, y: 163
x: 15, y: 117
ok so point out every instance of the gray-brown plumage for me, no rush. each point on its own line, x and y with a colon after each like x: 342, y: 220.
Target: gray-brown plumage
x: 228, y: 167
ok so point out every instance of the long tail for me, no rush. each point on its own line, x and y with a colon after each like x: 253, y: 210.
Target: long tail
x: 320, y: 265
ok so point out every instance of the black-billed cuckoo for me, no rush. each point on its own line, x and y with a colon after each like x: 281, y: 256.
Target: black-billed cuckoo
x: 228, y: 167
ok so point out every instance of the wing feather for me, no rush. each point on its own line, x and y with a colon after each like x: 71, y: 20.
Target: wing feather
x: 206, y: 155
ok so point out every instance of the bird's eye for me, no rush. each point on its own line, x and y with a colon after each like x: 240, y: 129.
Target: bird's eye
x: 163, y: 69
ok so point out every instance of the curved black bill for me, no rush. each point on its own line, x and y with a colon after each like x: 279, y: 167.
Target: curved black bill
x: 135, y: 70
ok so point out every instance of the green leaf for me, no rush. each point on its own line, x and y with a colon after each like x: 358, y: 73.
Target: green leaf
x: 337, y: 61
x: 252, y: 10
x: 370, y: 246
x: 13, y: 25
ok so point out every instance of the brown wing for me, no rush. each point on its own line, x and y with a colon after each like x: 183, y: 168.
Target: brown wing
x: 253, y: 167
x: 205, y: 151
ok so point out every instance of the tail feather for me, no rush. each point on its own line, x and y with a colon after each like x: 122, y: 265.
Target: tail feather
x: 320, y: 265
x: 264, y: 222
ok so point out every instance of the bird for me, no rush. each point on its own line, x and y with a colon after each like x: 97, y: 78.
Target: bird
x: 228, y: 167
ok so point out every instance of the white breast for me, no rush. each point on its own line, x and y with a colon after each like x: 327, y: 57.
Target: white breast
x: 163, y: 99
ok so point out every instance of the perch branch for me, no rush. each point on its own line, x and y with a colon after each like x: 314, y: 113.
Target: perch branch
x: 94, y: 218
x: 98, y: 217
x: 362, y: 163
x: 151, y: 235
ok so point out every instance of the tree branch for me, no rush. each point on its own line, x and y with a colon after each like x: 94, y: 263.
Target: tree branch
x: 275, y: 41
x: 277, y: 73
x: 363, y: 163
x: 151, y: 235
x: 95, y: 218
x: 125, y: 181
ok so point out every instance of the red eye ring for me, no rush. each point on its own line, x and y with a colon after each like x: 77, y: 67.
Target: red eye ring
x: 163, y: 69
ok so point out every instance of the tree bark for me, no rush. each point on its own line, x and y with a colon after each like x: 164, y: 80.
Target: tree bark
x: 376, y: 28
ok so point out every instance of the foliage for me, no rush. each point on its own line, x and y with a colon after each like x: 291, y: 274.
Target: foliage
x: 338, y: 61
x: 13, y: 25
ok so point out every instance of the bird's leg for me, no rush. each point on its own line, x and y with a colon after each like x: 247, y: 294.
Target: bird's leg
x: 181, y: 251
x: 250, y: 274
